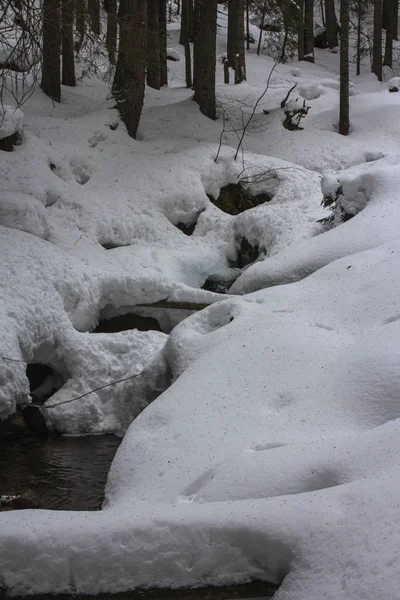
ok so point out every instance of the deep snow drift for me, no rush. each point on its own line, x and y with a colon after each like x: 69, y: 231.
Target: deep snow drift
x: 274, y: 453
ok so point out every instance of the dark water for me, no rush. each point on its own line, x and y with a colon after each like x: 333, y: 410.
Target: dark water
x: 56, y: 472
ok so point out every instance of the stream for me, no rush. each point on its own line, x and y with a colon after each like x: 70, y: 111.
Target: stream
x: 55, y: 472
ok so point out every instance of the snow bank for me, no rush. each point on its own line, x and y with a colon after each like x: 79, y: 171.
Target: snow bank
x: 370, y: 186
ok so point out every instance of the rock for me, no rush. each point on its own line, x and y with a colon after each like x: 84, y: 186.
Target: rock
x: 127, y: 322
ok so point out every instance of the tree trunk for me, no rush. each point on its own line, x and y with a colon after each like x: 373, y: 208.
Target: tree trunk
x: 309, y: 30
x: 232, y: 32
x: 247, y: 25
x: 129, y: 80
x: 112, y: 29
x: 162, y: 27
x: 191, y: 21
x: 196, y: 30
x: 344, y: 121
x: 51, y: 79
x: 80, y: 12
x: 300, y: 31
x: 185, y: 33
x: 331, y: 24
x: 240, y: 59
x: 264, y: 12
x: 153, y: 45
x: 388, y: 11
x: 67, y: 41
x: 359, y: 15
x: 206, y: 58
x: 377, y: 43
x: 396, y: 20
x: 94, y: 15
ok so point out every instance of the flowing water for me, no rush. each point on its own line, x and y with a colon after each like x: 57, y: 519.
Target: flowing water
x: 56, y: 472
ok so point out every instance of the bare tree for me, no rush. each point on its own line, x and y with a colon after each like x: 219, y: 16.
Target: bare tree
x: 388, y: 12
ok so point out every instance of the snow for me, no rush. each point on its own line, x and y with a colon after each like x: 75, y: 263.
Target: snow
x: 11, y: 120
x: 273, y: 453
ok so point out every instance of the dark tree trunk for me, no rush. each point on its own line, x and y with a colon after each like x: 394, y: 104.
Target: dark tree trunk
x: 112, y: 29
x: 153, y: 45
x: 247, y: 25
x: 196, y: 31
x: 377, y: 43
x: 185, y: 33
x: 162, y: 26
x: 232, y: 33
x: 240, y: 62
x: 309, y: 30
x: 331, y: 24
x: 51, y: 76
x: 359, y: 16
x: 396, y: 20
x: 191, y: 21
x: 67, y: 38
x: 80, y: 12
x: 344, y: 120
x: 263, y: 13
x: 300, y: 31
x: 94, y: 15
x: 129, y: 80
x: 206, y: 58
x: 389, y: 10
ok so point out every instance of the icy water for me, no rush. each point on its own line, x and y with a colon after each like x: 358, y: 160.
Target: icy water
x: 57, y: 472
x: 250, y: 591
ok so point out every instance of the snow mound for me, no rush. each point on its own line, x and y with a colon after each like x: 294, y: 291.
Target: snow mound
x: 311, y: 90
x: 393, y: 84
x: 11, y: 120
x: 370, y: 186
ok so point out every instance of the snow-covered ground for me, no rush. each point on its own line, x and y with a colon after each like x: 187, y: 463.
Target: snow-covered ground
x: 274, y: 454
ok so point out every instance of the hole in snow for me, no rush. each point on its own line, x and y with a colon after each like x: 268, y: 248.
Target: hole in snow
x: 108, y: 245
x: 246, y: 254
x: 81, y: 173
x: 188, y: 228
x: 235, y: 199
x: 220, y: 284
x: 127, y: 322
x: 44, y: 381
